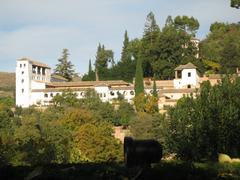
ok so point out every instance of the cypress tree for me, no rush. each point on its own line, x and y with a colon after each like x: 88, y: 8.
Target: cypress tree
x: 155, y: 93
x: 126, y: 56
x: 138, y: 86
x: 89, y: 67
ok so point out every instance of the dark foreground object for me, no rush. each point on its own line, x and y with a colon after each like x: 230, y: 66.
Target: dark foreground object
x: 163, y: 171
x: 141, y: 152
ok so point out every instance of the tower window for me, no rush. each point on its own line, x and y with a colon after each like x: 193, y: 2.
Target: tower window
x: 51, y: 94
x: 189, y: 74
x: 22, y: 72
x: 189, y: 86
x: 22, y: 90
x: 24, y: 65
x: 20, y: 65
x: 46, y: 95
x: 22, y: 80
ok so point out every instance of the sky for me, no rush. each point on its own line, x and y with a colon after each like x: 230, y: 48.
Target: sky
x: 40, y: 29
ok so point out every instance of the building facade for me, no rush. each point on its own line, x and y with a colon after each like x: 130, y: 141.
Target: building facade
x: 36, y: 86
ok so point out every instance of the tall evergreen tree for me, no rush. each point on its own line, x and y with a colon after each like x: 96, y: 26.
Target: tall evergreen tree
x: 169, y: 22
x: 103, y: 58
x: 149, y: 50
x: 155, y: 93
x: 126, y: 56
x: 65, y: 68
x: 138, y: 86
x: 90, y: 66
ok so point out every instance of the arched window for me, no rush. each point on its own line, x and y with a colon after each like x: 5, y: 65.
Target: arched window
x: 132, y: 93
x: 112, y: 93
x: 45, y: 95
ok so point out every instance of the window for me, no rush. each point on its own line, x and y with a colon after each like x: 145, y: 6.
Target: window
x: 22, y: 90
x: 24, y: 65
x: 82, y: 93
x: 189, y: 86
x: 189, y: 74
x: 22, y: 72
x: 104, y: 94
x: 112, y: 93
x: 51, y: 94
x: 132, y: 93
x: 43, y: 71
x: 46, y: 95
x: 22, y: 80
x: 20, y: 65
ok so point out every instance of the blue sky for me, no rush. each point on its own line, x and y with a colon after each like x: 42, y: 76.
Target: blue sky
x: 40, y: 29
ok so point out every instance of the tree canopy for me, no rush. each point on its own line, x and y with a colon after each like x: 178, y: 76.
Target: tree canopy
x: 65, y: 68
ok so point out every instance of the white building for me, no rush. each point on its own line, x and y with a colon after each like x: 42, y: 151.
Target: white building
x: 34, y: 86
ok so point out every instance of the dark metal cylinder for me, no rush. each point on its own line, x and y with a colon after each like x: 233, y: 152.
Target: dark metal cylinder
x: 141, y: 152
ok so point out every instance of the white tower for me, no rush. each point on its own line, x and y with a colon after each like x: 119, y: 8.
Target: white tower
x: 29, y: 74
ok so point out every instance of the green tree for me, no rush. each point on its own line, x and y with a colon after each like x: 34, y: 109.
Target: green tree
x: 97, y: 143
x: 138, y: 85
x: 67, y: 98
x: 155, y: 93
x: 222, y: 38
x: 126, y: 56
x: 200, y: 128
x: 124, y: 114
x: 89, y: 66
x: 149, y: 44
x: 230, y: 56
x: 235, y: 3
x: 141, y: 126
x: 187, y: 24
x: 103, y: 58
x: 64, y: 68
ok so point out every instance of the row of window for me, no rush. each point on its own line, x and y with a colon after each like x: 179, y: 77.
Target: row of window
x: 124, y: 93
x: 101, y: 95
x: 22, y: 65
x: 36, y: 70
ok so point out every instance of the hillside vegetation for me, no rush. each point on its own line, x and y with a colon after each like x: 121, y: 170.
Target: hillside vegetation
x: 7, y: 84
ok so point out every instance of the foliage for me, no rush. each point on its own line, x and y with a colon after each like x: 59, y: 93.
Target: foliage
x: 203, y: 127
x: 222, y: 47
x: 123, y: 114
x: 142, y: 126
x: 71, y: 131
x: 187, y: 24
x: 64, y: 68
x: 160, y: 51
x: 7, y: 101
x: 146, y: 103
x: 67, y: 98
x: 155, y: 93
x: 97, y: 143
x: 138, y: 85
x: 103, y: 57
x: 235, y: 4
